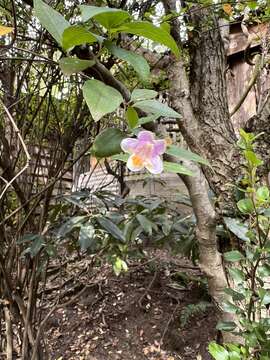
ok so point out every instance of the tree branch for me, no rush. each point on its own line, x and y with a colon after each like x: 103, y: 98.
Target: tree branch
x: 28, y: 157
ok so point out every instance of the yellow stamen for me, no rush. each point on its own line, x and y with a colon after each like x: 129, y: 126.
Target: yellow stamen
x: 137, y: 160
x: 168, y: 141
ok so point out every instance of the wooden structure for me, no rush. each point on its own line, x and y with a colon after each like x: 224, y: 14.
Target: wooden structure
x: 240, y: 72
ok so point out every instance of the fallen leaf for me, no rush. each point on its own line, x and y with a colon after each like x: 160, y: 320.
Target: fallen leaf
x: 4, y: 30
x: 227, y: 8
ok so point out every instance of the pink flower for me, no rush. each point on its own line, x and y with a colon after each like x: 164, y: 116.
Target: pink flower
x: 144, y: 152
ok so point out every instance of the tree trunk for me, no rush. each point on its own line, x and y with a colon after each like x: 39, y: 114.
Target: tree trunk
x: 201, y: 98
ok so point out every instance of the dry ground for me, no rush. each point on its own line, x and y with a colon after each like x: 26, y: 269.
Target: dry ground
x: 133, y: 316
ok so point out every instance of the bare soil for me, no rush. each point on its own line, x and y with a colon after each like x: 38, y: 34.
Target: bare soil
x: 133, y: 316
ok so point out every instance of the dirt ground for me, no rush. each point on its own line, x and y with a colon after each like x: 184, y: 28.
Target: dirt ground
x: 136, y: 315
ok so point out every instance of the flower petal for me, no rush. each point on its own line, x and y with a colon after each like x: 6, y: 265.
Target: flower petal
x: 129, y: 145
x: 154, y: 165
x: 135, y: 163
x: 146, y: 136
x: 159, y: 147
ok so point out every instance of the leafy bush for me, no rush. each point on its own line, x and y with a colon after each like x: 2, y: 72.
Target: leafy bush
x: 250, y: 293
x: 124, y: 227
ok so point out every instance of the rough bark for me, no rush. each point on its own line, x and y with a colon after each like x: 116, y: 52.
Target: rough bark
x: 208, y: 94
x: 201, y: 99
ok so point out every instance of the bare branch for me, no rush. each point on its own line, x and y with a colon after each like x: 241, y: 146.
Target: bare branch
x: 28, y: 157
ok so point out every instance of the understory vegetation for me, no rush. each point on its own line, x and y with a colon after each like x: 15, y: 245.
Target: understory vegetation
x: 138, y: 91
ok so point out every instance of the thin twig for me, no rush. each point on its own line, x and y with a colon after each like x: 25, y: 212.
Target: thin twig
x: 28, y: 157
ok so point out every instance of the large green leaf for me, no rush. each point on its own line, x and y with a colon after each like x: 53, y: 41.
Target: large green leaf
x: 146, y: 224
x: 185, y: 154
x: 107, y: 143
x: 107, y: 17
x: 86, y: 236
x: 138, y: 62
x: 176, y: 168
x: 156, y: 107
x: 143, y: 94
x: 132, y: 117
x: 111, y: 228
x: 100, y: 98
x: 70, y: 224
x: 152, y: 32
x: 237, y: 228
x: 245, y: 206
x: 76, y: 35
x: 218, y: 352
x: 233, y: 255
x: 74, y: 65
x: 235, y: 295
x: 54, y: 22
x: 226, y: 325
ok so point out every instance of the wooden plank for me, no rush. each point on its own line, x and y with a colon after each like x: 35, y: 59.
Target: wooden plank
x: 239, y: 42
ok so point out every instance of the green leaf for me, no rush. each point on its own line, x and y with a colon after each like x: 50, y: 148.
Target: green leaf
x: 252, y: 4
x: 234, y: 294
x: 75, y: 221
x: 76, y: 35
x: 252, y: 158
x: 119, y: 265
x: 107, y: 143
x: 218, y: 352
x: 137, y: 61
x: 100, y: 98
x: 107, y: 17
x: 156, y: 107
x: 266, y: 212
x: 264, y: 270
x: 230, y: 307
x: 262, y: 193
x: 111, y: 228
x: 132, y: 117
x: 146, y: 224
x: 74, y: 65
x: 264, y: 296
x: 226, y: 325
x: 152, y: 32
x: 185, y: 154
x: 233, y: 255
x: 121, y: 157
x: 237, y: 228
x: 143, y: 94
x: 176, y: 168
x: 53, y: 22
x: 266, y: 299
x: 86, y: 236
x: 245, y: 206
x: 237, y: 275
x: 147, y: 119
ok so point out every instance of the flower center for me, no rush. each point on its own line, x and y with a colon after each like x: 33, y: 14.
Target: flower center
x: 137, y: 160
